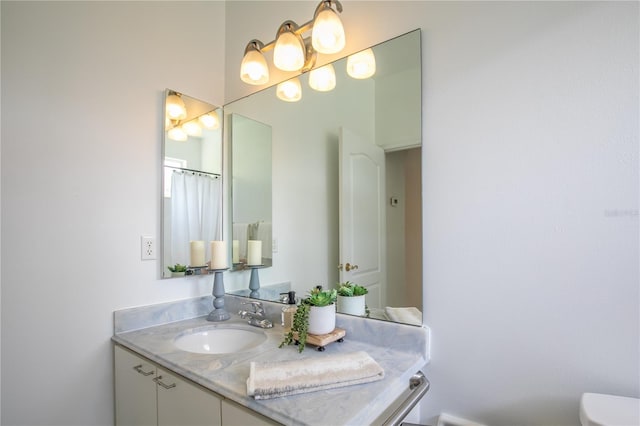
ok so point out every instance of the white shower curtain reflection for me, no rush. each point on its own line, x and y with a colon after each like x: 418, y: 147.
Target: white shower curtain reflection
x: 195, y: 213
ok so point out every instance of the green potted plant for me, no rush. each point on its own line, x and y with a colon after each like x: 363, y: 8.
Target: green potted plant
x: 351, y: 298
x: 177, y: 270
x: 316, y: 314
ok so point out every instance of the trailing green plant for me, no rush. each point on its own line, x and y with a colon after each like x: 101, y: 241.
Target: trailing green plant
x: 177, y: 268
x: 300, y: 326
x: 349, y: 289
x: 299, y: 330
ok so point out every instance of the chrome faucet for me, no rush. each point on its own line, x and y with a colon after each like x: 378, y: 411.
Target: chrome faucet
x: 256, y: 316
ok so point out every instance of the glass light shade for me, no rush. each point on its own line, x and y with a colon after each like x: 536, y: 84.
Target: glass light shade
x: 328, y: 33
x: 254, y: 69
x: 210, y: 120
x: 288, y: 55
x: 192, y: 128
x: 177, y: 134
x: 362, y: 64
x: 290, y: 90
x: 323, y: 79
x: 175, y: 108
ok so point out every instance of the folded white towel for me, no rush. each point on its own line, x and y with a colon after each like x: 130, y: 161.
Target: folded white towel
x: 275, y: 379
x: 406, y: 315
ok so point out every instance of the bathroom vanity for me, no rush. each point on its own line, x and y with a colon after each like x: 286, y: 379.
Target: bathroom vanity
x: 149, y: 394
x: 158, y: 383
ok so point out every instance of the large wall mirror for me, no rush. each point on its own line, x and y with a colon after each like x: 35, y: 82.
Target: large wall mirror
x: 191, y: 184
x: 251, y: 198
x: 346, y: 181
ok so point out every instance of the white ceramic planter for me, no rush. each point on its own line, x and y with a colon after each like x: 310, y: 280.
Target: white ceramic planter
x: 353, y: 305
x: 322, y: 319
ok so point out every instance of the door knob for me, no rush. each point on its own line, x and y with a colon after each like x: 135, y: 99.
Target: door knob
x: 348, y: 267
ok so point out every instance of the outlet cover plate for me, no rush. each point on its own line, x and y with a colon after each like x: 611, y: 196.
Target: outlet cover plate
x: 148, y: 248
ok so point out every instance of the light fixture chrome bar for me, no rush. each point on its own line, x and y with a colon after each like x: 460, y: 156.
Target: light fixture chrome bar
x: 325, y: 3
x: 298, y: 31
x: 292, y: 51
x: 307, y: 26
x: 254, y: 44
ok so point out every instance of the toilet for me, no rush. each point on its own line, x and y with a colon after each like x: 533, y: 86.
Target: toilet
x: 598, y: 409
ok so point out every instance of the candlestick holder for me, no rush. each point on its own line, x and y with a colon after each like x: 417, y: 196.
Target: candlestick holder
x: 254, y: 281
x: 218, y: 313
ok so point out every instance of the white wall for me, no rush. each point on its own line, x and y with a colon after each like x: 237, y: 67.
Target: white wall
x: 530, y: 161
x: 530, y: 169
x: 82, y: 91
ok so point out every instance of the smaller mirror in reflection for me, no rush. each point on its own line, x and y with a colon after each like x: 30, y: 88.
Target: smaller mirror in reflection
x: 192, y: 184
x: 252, y: 239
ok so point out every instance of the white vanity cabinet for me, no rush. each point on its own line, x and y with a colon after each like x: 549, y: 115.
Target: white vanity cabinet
x: 183, y: 403
x: 150, y: 395
x: 136, y: 401
x: 237, y: 415
x: 147, y: 394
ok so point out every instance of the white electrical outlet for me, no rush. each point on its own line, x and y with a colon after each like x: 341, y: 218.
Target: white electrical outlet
x: 148, y: 247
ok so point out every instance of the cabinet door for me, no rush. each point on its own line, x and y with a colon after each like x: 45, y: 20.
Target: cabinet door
x: 236, y: 415
x: 185, y: 404
x: 135, y: 390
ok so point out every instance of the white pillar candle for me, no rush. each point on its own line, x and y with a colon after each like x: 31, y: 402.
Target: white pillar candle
x: 218, y: 254
x: 254, y: 253
x: 235, y: 251
x: 197, y: 253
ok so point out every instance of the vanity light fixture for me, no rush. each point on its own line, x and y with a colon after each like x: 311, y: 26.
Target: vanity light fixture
x: 291, y: 51
x: 327, y: 35
x: 361, y: 65
x: 177, y: 134
x: 192, y: 128
x: 179, y: 126
x: 210, y: 120
x: 323, y: 79
x: 290, y: 90
x: 254, y: 68
x: 175, y: 107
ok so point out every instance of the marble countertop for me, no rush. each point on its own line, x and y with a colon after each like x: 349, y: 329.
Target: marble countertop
x: 399, y: 349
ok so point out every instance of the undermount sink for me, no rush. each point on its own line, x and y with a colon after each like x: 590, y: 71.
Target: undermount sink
x: 220, y: 340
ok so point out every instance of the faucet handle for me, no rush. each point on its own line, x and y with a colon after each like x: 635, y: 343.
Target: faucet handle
x: 257, y: 307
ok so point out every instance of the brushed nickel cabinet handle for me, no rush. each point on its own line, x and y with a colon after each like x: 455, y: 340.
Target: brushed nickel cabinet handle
x: 139, y: 369
x: 158, y: 380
